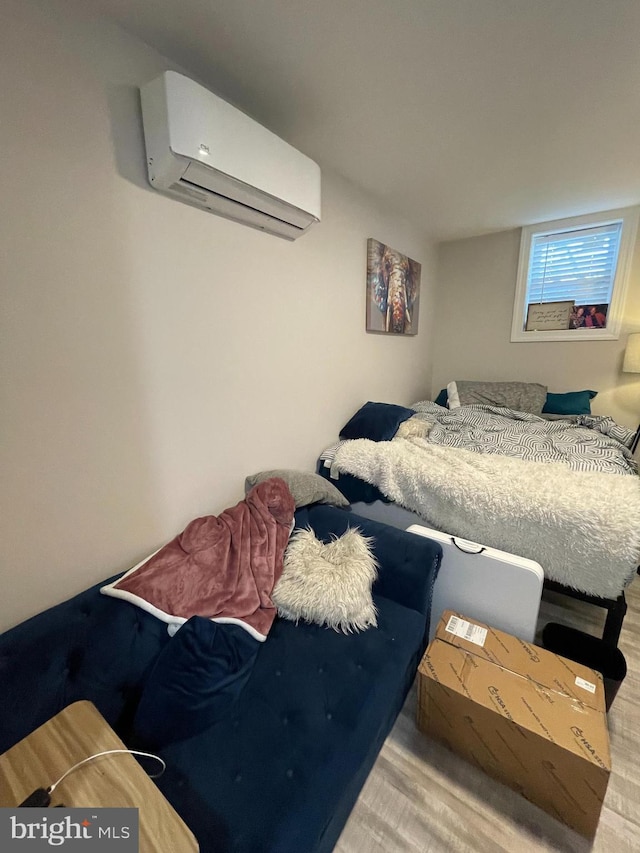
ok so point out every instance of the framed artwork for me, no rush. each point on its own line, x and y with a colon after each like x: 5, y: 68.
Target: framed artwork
x: 393, y: 290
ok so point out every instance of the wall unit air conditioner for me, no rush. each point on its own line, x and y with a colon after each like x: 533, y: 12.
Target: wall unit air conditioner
x: 207, y: 153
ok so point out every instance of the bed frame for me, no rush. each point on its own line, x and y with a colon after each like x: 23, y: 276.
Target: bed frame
x: 616, y: 610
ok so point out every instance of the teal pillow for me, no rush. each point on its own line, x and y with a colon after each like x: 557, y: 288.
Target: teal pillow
x: 571, y: 403
x: 442, y: 398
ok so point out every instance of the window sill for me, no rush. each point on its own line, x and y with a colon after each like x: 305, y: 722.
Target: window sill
x: 565, y: 335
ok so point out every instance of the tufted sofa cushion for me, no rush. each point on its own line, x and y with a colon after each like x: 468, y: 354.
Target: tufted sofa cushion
x: 284, y: 770
x: 89, y: 647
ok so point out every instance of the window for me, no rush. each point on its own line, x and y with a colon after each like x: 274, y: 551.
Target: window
x: 572, y: 277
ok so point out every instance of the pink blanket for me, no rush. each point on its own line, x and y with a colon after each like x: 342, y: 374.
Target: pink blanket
x: 223, y: 567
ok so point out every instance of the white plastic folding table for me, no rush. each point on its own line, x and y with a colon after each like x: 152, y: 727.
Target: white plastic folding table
x: 497, y: 588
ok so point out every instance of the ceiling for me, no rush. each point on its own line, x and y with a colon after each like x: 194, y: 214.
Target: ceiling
x: 464, y: 116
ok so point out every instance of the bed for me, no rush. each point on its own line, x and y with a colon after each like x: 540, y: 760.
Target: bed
x: 511, y: 466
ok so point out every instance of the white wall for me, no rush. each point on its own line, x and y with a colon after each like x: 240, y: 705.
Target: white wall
x: 153, y: 354
x: 475, y: 293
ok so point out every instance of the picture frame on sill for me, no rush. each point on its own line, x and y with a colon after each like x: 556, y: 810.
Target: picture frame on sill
x: 589, y: 316
x: 548, y: 316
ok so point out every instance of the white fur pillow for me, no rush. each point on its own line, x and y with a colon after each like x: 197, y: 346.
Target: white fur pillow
x: 328, y: 584
x: 416, y: 427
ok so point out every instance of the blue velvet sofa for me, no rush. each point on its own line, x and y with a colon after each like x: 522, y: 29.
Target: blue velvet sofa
x: 282, y: 769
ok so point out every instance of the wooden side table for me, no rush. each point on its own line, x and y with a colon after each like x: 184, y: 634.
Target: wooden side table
x: 78, y: 731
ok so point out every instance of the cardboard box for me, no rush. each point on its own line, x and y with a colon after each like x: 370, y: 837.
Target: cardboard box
x: 527, y: 717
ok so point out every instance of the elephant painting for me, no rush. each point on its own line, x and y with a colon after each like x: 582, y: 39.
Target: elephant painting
x: 393, y: 287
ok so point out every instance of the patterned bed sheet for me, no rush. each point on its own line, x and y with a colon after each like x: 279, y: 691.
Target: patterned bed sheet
x: 584, y: 443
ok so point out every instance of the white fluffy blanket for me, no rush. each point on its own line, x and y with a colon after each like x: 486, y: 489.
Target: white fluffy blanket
x: 582, y: 527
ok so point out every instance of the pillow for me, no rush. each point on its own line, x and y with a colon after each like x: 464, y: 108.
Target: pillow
x: 377, y: 421
x: 305, y: 486
x: 195, y: 680
x: 520, y: 396
x: 329, y: 584
x: 442, y: 398
x: 415, y: 427
x: 571, y: 403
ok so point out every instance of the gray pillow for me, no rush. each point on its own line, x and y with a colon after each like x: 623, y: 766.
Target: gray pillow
x: 521, y: 396
x: 306, y: 487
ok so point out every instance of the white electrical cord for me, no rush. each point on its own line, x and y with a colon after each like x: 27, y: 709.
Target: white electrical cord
x: 52, y: 788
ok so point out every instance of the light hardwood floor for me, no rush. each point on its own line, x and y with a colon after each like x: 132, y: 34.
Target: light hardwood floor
x: 422, y: 798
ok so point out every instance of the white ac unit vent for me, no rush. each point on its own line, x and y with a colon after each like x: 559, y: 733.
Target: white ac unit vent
x: 207, y: 153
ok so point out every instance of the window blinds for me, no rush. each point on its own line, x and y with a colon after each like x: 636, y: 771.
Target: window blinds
x: 578, y: 265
